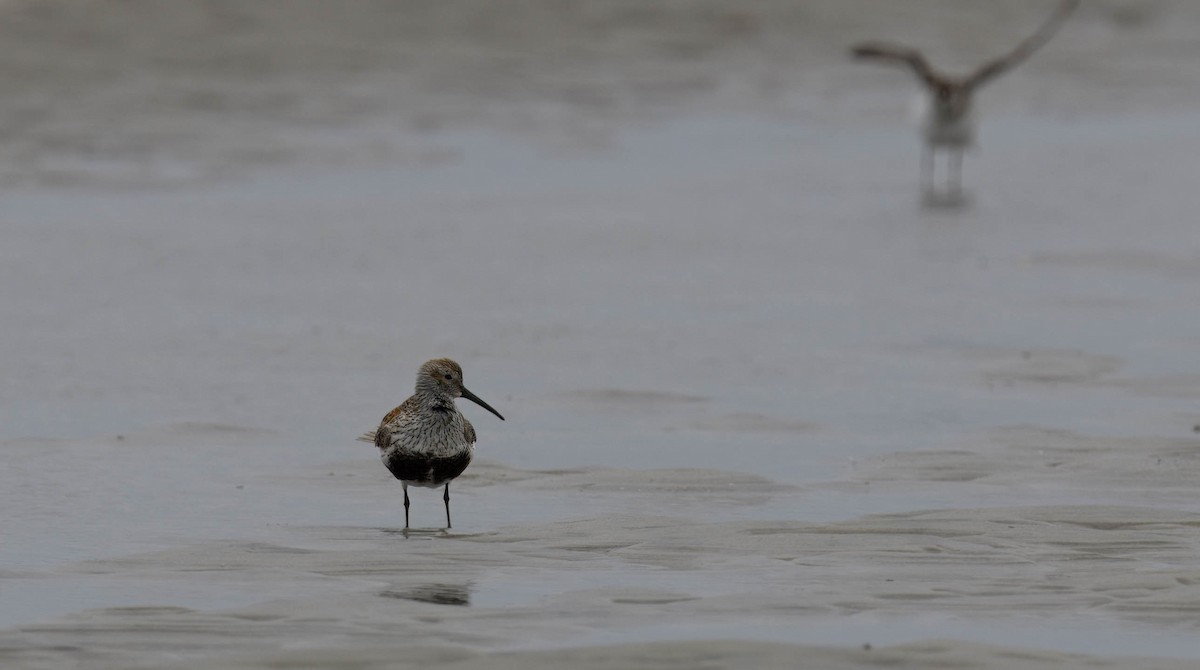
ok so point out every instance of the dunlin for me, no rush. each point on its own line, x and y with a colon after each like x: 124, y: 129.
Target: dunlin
x: 426, y: 441
x: 947, y: 121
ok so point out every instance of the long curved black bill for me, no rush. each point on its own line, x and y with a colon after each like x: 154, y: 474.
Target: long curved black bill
x: 475, y: 399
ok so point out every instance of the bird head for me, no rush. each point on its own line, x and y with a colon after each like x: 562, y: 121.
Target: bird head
x: 444, y: 377
x: 951, y: 99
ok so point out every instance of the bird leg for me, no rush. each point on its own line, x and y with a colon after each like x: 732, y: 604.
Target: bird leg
x: 405, y: 508
x: 954, y: 172
x: 927, y: 167
x: 446, y: 497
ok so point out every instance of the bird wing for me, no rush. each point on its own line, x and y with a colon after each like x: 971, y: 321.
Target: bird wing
x: 468, y: 431
x: 999, y: 66
x: 381, y: 436
x: 896, y: 53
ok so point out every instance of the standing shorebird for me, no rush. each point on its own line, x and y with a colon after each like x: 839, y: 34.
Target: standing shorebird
x: 426, y: 441
x: 947, y: 121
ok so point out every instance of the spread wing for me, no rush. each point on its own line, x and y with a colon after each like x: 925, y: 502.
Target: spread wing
x: 999, y: 66
x: 896, y: 53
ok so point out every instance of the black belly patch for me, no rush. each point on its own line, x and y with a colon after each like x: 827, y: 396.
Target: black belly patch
x: 426, y: 470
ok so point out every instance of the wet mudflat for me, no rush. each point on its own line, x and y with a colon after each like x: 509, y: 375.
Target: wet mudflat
x: 761, y: 402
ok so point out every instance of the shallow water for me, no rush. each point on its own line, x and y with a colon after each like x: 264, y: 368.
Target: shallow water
x: 710, y: 306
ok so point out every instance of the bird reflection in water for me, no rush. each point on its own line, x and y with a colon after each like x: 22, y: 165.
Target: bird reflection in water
x: 437, y: 594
